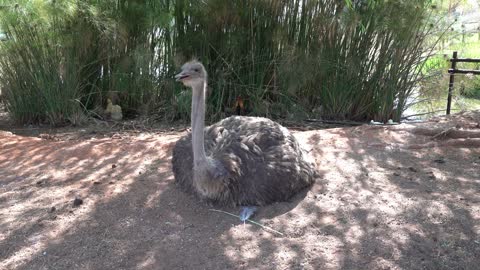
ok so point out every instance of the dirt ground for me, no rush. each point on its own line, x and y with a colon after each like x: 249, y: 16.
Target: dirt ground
x: 390, y: 197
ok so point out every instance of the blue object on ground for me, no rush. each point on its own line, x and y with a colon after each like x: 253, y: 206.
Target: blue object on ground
x: 246, y: 212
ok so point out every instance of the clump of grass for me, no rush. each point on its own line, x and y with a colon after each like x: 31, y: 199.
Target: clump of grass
x: 334, y: 59
x: 39, y: 80
x: 474, y: 90
x: 355, y: 60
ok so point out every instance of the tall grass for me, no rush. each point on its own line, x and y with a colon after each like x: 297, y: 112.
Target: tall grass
x: 38, y: 81
x: 298, y: 58
x: 432, y: 97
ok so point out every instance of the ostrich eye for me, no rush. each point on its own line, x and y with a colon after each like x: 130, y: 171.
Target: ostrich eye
x: 196, y: 70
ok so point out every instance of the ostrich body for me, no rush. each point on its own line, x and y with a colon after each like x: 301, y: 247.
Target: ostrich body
x: 239, y: 160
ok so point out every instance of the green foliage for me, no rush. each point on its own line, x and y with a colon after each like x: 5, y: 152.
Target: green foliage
x: 335, y: 59
x: 40, y: 80
x: 433, y: 90
x: 353, y: 59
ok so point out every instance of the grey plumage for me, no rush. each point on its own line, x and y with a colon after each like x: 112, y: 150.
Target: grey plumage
x: 247, y: 160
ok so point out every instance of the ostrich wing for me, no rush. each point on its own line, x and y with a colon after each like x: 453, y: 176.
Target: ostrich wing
x: 252, y: 161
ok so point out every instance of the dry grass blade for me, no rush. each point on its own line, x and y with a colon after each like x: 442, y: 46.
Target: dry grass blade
x: 266, y: 228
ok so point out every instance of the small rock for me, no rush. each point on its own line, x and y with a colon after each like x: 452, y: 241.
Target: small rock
x: 439, y: 161
x: 412, y: 169
x: 396, y: 174
x: 53, y: 209
x: 114, y: 166
x: 39, y: 182
x: 77, y: 202
x: 96, y: 183
x: 188, y: 226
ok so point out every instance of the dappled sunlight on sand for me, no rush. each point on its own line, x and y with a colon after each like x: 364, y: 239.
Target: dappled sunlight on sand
x: 52, y: 174
x: 379, y: 204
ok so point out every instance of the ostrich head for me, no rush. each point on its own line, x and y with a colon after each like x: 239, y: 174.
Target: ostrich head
x: 193, y: 73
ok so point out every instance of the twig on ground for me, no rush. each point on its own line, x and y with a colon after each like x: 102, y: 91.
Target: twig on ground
x: 450, y: 133
x: 461, y: 143
x: 249, y: 220
x: 442, y: 133
x: 346, y: 123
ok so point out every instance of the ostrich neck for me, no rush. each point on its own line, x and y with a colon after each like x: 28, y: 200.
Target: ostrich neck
x: 198, y: 124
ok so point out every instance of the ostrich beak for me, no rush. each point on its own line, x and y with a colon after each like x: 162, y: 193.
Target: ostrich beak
x: 181, y: 76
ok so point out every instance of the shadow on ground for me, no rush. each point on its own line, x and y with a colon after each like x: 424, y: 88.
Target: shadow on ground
x: 378, y: 206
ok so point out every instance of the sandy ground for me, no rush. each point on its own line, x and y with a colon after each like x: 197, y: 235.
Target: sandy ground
x: 398, y: 197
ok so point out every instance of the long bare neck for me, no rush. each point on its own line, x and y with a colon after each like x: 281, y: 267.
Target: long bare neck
x: 198, y: 124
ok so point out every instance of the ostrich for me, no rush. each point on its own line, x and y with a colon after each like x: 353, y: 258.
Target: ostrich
x: 239, y: 161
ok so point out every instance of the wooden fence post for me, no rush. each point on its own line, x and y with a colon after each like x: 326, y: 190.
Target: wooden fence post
x: 452, y: 80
